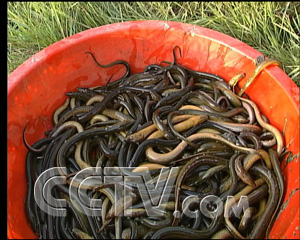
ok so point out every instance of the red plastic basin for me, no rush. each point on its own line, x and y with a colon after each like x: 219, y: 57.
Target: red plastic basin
x: 38, y: 87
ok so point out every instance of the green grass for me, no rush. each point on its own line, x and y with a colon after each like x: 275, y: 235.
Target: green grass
x: 272, y: 28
